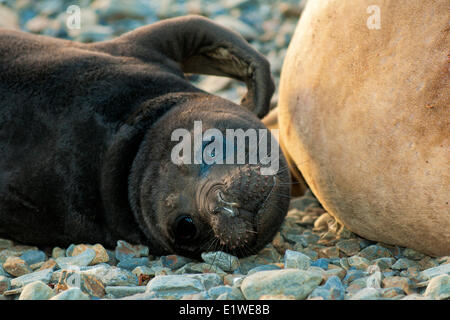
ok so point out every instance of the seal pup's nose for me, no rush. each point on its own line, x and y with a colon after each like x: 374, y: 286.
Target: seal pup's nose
x: 235, y: 193
x: 230, y: 209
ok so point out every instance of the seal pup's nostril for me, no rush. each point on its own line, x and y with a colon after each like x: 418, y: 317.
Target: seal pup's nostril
x: 222, y: 200
x: 229, y: 208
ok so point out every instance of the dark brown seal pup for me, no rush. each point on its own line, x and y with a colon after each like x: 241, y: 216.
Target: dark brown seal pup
x: 85, y: 141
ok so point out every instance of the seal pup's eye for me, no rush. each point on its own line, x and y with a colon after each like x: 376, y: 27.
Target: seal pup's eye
x: 185, y: 229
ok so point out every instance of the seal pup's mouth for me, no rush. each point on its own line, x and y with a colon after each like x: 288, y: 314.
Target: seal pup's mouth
x: 235, y: 208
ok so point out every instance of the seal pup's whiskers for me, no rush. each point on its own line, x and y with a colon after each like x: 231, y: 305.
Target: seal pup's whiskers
x: 270, y: 193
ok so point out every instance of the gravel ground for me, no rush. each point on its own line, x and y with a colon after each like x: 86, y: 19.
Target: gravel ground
x: 312, y: 257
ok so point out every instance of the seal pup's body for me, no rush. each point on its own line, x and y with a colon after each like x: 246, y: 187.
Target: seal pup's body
x: 83, y: 127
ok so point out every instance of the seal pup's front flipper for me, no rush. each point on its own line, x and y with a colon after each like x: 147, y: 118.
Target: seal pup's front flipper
x: 194, y: 44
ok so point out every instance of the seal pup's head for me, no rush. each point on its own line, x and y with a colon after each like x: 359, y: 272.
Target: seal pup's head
x: 210, y: 205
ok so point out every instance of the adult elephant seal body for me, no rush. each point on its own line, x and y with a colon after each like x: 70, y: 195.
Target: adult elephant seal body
x: 86, y: 140
x: 364, y: 113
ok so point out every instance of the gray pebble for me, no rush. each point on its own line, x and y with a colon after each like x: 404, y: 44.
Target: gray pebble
x: 5, y: 243
x: 43, y: 275
x: 366, y: 294
x: 143, y: 270
x: 404, y: 263
x: 312, y: 254
x: 175, y: 286
x: 143, y: 296
x: 234, y: 280
x: 289, y: 282
x: 123, y: 291
x: 161, y: 271
x: 112, y: 258
x: 353, y: 275
x: 215, y: 292
x: 359, y: 263
x: 223, y: 260
x: 113, y: 276
x: 36, y: 290
x: 234, y: 294
x: 131, y: 263
x: 33, y: 256
x: 190, y: 267
x: 214, y: 84
x: 13, y: 292
x: 49, y: 7
x: 246, y: 264
x: 392, y: 292
x: 295, y: 238
x: 415, y: 296
x: 388, y: 274
x: 436, y: 271
x: 174, y: 261
x: 333, y: 289
x: 295, y: 259
x: 208, y: 280
x: 5, y: 284
x: 8, y: 18
x: 197, y: 296
x: 200, y: 268
x: 374, y: 252
x: 58, y: 252
x: 2, y: 271
x: 81, y: 260
x: 439, y: 288
x: 413, y: 254
x: 111, y: 10
x: 265, y: 267
x: 304, y: 202
x: 69, y: 250
x: 5, y: 254
x: 125, y: 250
x: 247, y: 31
x: 71, y: 294
x: 349, y: 247
x: 383, y: 263
x: 374, y: 280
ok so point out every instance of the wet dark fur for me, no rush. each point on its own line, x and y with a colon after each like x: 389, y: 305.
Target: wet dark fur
x: 72, y: 117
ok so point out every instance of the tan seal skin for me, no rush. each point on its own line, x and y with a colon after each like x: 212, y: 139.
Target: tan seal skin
x: 365, y: 115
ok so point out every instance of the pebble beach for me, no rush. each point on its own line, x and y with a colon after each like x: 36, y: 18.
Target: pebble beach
x: 312, y: 257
